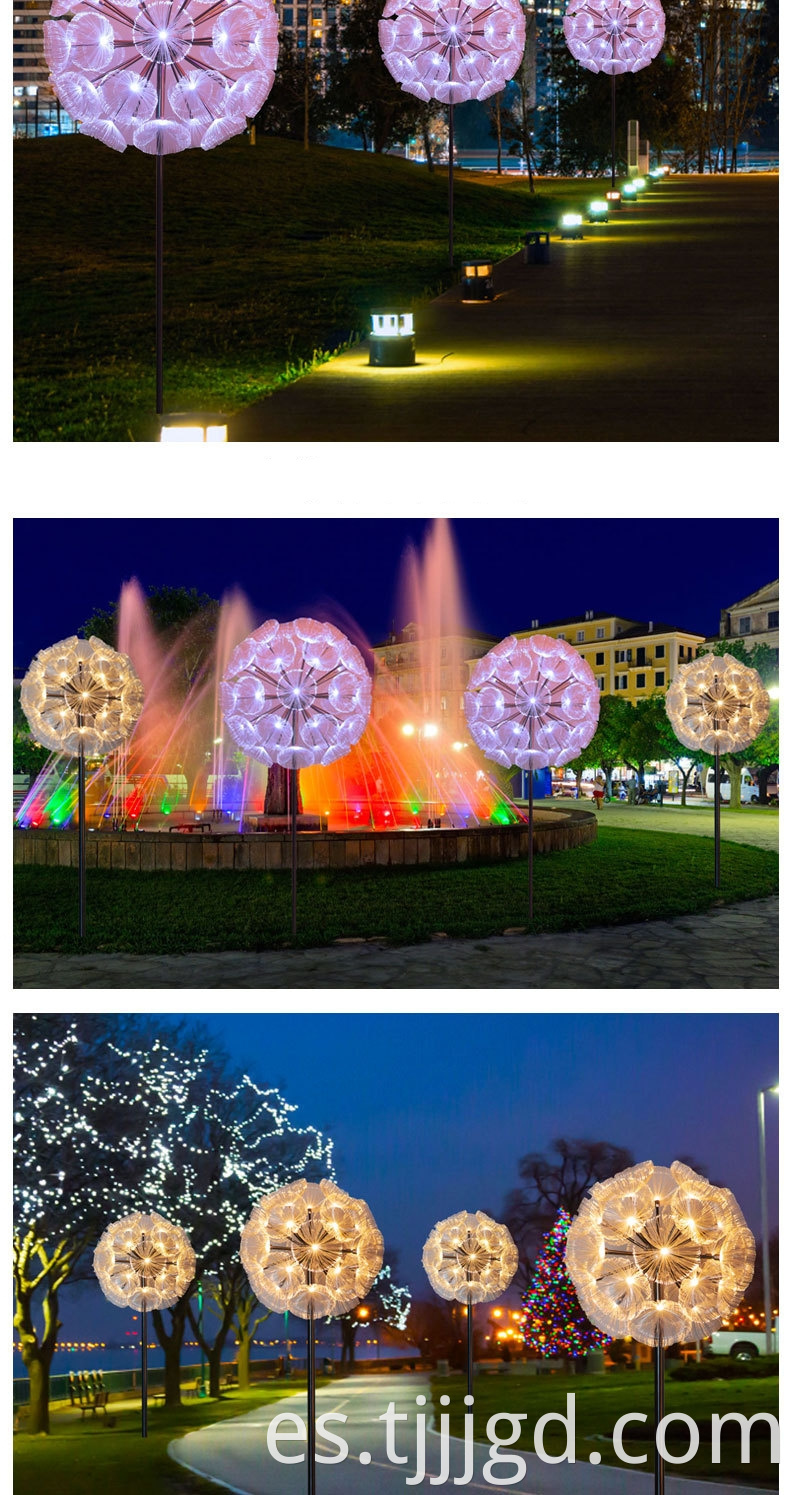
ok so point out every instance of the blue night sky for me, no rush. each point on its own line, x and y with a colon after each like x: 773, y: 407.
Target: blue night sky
x: 429, y: 1113
x: 671, y: 570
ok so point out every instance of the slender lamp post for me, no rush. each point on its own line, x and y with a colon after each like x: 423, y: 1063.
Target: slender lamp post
x: 769, y: 1313
x: 614, y: 36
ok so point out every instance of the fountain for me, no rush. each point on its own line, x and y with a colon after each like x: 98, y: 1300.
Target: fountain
x: 414, y: 769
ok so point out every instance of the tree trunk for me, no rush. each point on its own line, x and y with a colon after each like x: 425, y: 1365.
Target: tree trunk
x: 763, y: 775
x: 37, y: 1366
x: 426, y: 140
x: 214, y: 1357
x: 733, y: 769
x: 37, y: 1353
x: 498, y: 122
x: 276, y: 801
x: 171, y: 1344
x: 243, y: 1360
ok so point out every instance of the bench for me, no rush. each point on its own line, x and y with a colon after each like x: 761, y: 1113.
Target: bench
x: 94, y: 1402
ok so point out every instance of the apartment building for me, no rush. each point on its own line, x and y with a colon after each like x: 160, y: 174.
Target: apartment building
x: 753, y: 620
x: 628, y: 659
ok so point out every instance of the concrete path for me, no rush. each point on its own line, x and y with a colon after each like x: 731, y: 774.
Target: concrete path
x: 235, y: 1453
x: 729, y: 948
x: 661, y: 326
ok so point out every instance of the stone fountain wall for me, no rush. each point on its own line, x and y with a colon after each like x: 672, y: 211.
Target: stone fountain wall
x: 178, y: 851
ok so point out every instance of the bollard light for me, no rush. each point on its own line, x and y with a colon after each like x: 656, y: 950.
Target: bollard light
x: 392, y: 339
x: 477, y: 278
x: 629, y: 192
x: 571, y: 226
x: 598, y: 211
x: 194, y: 425
x: 639, y: 184
x: 614, y: 199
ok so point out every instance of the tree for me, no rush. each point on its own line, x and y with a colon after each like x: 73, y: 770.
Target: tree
x: 686, y: 759
x: 294, y: 108
x: 180, y: 616
x: 386, y: 1305
x: 554, y: 1321
x: 250, y: 1314
x: 362, y: 94
x: 643, y: 740
x: 560, y: 1182
x: 29, y: 758
x: 438, y: 1330
x: 517, y: 122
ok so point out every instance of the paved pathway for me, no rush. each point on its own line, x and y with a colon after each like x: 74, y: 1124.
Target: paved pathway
x: 729, y: 948
x: 661, y: 326
x: 235, y: 1452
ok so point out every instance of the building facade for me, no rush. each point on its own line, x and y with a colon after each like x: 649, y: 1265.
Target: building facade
x: 754, y: 620
x: 629, y: 659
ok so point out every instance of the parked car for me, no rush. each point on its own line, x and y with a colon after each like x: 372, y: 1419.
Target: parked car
x: 749, y: 789
x: 741, y: 1344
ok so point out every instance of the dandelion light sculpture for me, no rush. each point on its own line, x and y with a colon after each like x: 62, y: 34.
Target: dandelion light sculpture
x: 144, y: 1262
x: 532, y: 703
x: 716, y: 704
x: 161, y: 77
x: 313, y: 1250
x: 82, y: 698
x: 614, y: 36
x: 660, y: 1254
x: 469, y: 1258
x: 296, y: 694
x: 452, y: 51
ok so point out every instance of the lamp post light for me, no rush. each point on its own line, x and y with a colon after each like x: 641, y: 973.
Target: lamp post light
x: 769, y: 1317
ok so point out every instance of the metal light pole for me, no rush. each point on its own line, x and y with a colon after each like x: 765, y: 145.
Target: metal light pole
x: 81, y: 836
x: 144, y: 1372
x: 287, y: 1363
x: 470, y: 1346
x: 202, y: 1390
x: 761, y: 1094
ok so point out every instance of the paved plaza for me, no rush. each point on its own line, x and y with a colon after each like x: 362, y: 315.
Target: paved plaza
x: 660, y: 326
x: 730, y: 948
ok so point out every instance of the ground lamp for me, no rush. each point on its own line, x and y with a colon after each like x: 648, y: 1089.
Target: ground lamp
x: 639, y: 184
x: 194, y: 425
x: 598, y: 210
x: 144, y: 1262
x: 571, y: 226
x: 391, y: 339
x: 312, y: 1250
x: 82, y: 698
x: 629, y: 192
x: 614, y: 36
x: 296, y: 694
x: 614, y: 198
x: 477, y: 279
x: 717, y: 705
x: 162, y: 77
x: 452, y: 51
x: 661, y: 1255
x: 469, y: 1258
x: 532, y: 703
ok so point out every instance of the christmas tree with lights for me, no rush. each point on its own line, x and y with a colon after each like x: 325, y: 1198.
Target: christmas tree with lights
x: 554, y: 1321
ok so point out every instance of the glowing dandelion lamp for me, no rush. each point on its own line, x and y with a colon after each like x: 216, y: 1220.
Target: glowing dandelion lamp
x: 312, y: 1250
x: 614, y: 36
x: 82, y: 698
x: 452, y: 51
x: 296, y: 694
x: 532, y: 703
x: 469, y: 1258
x: 144, y: 1262
x: 717, y: 705
x: 162, y: 78
x: 662, y: 1255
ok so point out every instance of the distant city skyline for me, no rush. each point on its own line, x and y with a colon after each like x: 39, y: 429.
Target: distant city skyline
x: 430, y: 1113
x: 679, y: 571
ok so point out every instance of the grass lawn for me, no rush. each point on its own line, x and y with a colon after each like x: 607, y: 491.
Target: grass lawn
x: 600, y: 1400
x: 271, y: 253
x: 622, y: 878
x: 86, y: 1456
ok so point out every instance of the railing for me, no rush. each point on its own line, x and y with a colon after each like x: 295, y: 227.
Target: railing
x: 129, y: 1380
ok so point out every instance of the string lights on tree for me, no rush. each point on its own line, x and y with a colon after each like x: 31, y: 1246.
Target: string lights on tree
x: 554, y: 1322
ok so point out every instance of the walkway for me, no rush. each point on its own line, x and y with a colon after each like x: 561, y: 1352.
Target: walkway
x: 728, y: 949
x: 235, y: 1453
x: 661, y: 326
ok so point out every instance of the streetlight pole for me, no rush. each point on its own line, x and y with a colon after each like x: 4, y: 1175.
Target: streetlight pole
x: 761, y: 1094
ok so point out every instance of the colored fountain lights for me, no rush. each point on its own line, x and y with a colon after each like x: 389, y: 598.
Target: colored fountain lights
x: 614, y: 36
x: 452, y: 53
x: 532, y: 703
x: 162, y: 77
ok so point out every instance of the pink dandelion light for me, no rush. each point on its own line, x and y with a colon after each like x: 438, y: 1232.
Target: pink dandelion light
x: 452, y: 52
x: 614, y: 36
x: 532, y: 703
x: 296, y: 694
x: 162, y: 76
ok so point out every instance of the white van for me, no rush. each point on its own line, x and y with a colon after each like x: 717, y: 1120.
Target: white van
x: 749, y: 789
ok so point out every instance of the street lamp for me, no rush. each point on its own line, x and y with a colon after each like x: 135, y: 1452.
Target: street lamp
x: 761, y: 1094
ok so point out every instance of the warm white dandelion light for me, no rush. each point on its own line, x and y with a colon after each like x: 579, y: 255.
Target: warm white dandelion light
x: 469, y: 1258
x: 717, y: 704
x: 144, y: 1262
x: 310, y: 1249
x: 81, y: 696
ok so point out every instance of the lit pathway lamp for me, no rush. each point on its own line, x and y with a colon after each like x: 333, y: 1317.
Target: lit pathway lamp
x: 469, y: 1258
x: 614, y: 198
x: 717, y: 705
x: 767, y: 1305
x: 391, y: 339
x: 144, y: 1262
x: 598, y: 210
x: 452, y: 51
x: 532, y: 703
x: 571, y: 226
x: 640, y: 185
x: 82, y: 698
x: 161, y: 77
x: 628, y: 196
x: 194, y: 425
x: 661, y: 1255
x: 296, y: 694
x: 312, y: 1250
x: 614, y: 36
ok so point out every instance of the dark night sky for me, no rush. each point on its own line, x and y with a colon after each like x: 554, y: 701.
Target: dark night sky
x: 671, y: 570
x: 429, y: 1113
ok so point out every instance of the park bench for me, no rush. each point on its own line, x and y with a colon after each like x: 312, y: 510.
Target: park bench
x: 93, y: 1402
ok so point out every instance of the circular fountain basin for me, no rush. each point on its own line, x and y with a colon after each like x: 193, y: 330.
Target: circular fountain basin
x: 173, y: 851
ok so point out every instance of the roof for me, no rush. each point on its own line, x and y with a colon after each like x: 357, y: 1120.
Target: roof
x: 644, y: 630
x: 634, y: 630
x: 579, y: 618
x: 768, y: 593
